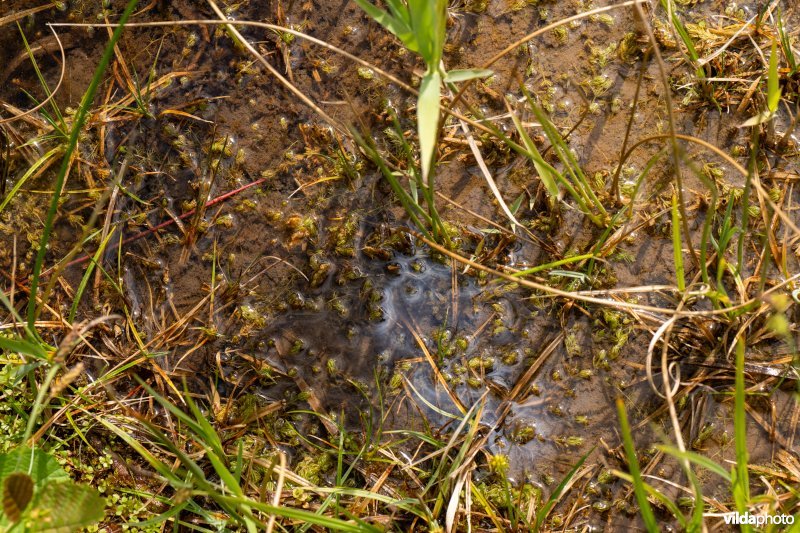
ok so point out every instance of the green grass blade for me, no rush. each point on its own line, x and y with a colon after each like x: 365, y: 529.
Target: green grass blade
x: 38, y: 403
x: 23, y: 347
x: 414, y: 177
x: 424, y: 437
x: 567, y: 158
x: 658, y: 495
x: 752, y: 168
x: 412, y: 505
x: 194, y: 425
x: 399, y: 11
x: 28, y: 173
x: 549, y: 175
x: 32, y: 345
x: 699, y: 460
x: 88, y: 274
x: 57, y: 121
x: 333, y: 524
x: 786, y: 44
x: 677, y: 245
x: 627, y: 212
x: 553, y: 264
x: 28, y: 332
x: 173, y: 510
x: 195, y: 474
x: 633, y: 465
x: 681, y: 30
x: 224, y: 473
x: 207, y: 432
x: 773, y: 89
x: 410, y: 204
x: 429, y: 404
x: 741, y: 476
x: 542, y: 513
x: 156, y: 463
x: 72, y: 143
x: 683, y: 33
x: 398, y: 27
x: 215, y: 453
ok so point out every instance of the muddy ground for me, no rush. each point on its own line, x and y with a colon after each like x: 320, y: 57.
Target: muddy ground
x: 321, y: 302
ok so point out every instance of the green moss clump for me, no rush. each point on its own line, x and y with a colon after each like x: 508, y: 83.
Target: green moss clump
x: 313, y: 467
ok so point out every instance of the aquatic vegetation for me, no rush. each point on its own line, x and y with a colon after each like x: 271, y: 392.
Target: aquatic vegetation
x: 298, y: 358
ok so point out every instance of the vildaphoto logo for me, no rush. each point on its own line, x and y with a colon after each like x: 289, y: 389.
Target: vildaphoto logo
x: 758, y: 520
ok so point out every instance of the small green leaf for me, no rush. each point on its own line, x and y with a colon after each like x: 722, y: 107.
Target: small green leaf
x: 517, y: 203
x: 457, y: 75
x: 428, y: 106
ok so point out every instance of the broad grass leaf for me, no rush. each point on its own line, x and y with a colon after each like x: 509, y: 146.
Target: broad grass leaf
x: 428, y: 106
